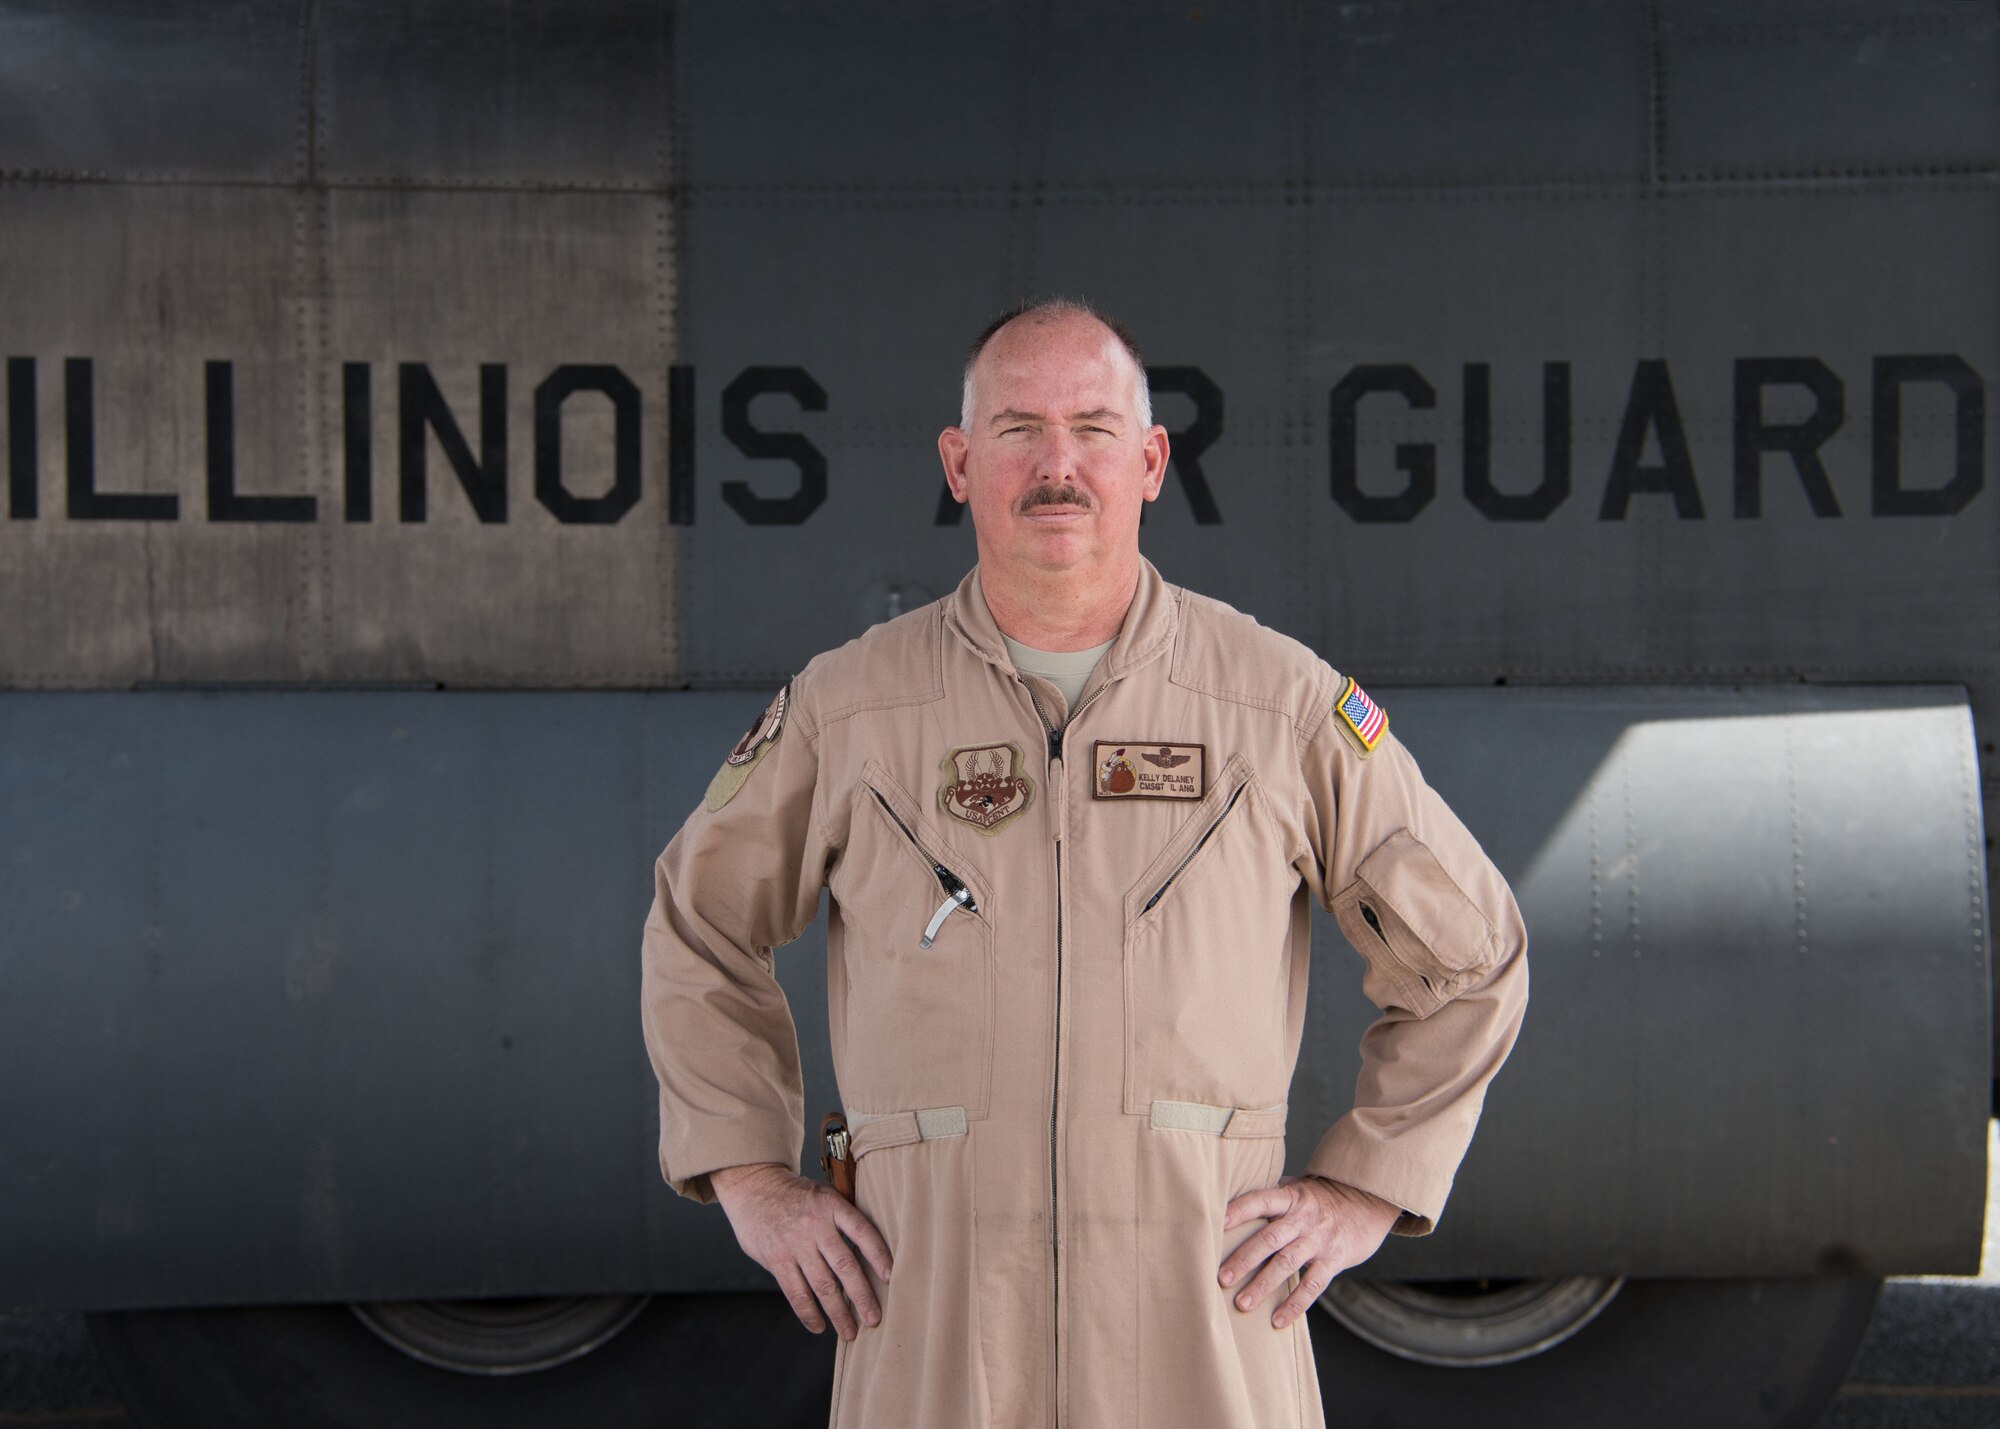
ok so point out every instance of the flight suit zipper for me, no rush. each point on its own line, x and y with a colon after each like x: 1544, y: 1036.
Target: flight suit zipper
x: 1059, y: 797
x: 956, y: 894
x: 1059, y: 802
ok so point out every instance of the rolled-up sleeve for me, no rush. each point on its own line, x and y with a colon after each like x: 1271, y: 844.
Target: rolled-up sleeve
x: 742, y: 877
x: 1445, y: 959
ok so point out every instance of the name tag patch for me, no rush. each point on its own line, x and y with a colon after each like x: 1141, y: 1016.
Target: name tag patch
x: 1130, y: 769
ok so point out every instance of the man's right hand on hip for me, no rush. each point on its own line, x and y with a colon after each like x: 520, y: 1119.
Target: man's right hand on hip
x: 806, y: 1234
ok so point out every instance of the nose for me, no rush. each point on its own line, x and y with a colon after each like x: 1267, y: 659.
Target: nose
x: 1055, y: 460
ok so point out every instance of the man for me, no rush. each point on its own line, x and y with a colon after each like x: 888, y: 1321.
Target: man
x: 1070, y: 817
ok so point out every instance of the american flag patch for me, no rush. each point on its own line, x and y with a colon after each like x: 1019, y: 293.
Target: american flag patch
x: 1364, y: 718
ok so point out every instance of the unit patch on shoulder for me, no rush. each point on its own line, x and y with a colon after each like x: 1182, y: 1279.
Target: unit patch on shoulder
x: 983, y: 785
x: 1130, y: 769
x: 749, y: 751
x: 1360, y: 718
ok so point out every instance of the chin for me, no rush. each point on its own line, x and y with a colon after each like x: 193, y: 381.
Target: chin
x: 1061, y: 555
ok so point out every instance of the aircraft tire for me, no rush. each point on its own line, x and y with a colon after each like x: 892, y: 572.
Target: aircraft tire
x: 694, y: 1360
x: 1663, y: 1354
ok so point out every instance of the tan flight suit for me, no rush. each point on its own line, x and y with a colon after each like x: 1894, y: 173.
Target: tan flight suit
x: 1058, y: 1096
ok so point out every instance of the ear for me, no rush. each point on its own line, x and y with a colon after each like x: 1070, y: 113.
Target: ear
x: 1156, y: 448
x: 953, y: 450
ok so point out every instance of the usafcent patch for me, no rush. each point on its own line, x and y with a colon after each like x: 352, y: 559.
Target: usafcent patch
x: 983, y: 785
x: 748, y: 753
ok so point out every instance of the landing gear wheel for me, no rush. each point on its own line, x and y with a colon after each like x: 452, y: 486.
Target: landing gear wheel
x: 608, y: 1362
x: 1468, y: 1324
x: 1649, y: 1354
x: 501, y: 1336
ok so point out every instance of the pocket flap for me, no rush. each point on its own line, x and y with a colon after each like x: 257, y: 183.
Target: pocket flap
x: 1404, y: 903
x: 917, y: 832
x: 1189, y: 839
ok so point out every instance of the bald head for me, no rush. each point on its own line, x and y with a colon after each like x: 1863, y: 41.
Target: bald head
x: 1056, y: 457
x: 1031, y: 321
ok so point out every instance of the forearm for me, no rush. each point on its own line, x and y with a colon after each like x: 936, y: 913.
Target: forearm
x: 1419, y: 1095
x: 1373, y: 1202
x: 726, y: 1181
x: 720, y: 1037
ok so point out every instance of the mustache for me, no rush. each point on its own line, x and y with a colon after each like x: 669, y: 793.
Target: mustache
x: 1062, y: 495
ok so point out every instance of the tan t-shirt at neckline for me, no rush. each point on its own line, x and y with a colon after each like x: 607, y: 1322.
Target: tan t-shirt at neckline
x: 1068, y: 670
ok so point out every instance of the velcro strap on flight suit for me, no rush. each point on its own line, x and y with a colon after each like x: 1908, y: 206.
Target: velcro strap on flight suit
x: 1233, y: 1123
x: 875, y: 1131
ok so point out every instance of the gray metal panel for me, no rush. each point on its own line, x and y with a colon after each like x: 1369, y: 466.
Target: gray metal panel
x: 1133, y: 95
x: 153, y: 282
x: 1777, y: 276
x: 136, y: 89
x: 1514, y: 281
x: 1279, y: 294
x: 335, y: 995
x: 150, y: 283
x: 1758, y: 940
x: 460, y: 280
x: 763, y: 598
x: 463, y: 92
x: 1853, y: 86
x: 861, y: 229
x: 1165, y: 97
x: 1414, y: 92
x: 902, y: 94
x: 1700, y: 280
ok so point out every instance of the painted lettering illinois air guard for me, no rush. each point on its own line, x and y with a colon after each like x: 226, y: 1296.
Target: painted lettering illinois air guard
x: 1648, y: 418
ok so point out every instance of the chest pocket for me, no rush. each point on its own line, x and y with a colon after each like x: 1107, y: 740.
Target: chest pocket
x: 1209, y: 967
x: 909, y: 961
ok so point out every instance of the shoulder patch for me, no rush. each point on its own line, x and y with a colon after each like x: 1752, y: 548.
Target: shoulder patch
x: 748, y: 753
x: 1360, y: 718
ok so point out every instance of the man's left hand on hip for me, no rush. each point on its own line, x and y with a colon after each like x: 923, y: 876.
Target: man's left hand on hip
x: 1317, y: 1228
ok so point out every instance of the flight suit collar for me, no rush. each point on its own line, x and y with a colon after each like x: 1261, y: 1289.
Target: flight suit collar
x: 1147, y: 631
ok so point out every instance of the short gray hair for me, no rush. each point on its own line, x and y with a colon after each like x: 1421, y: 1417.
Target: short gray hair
x: 1048, y: 310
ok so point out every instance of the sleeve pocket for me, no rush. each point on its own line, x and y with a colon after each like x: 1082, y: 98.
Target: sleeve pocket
x: 1423, y: 939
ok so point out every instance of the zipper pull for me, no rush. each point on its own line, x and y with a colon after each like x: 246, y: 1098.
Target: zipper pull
x: 1055, y: 746
x: 956, y: 895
